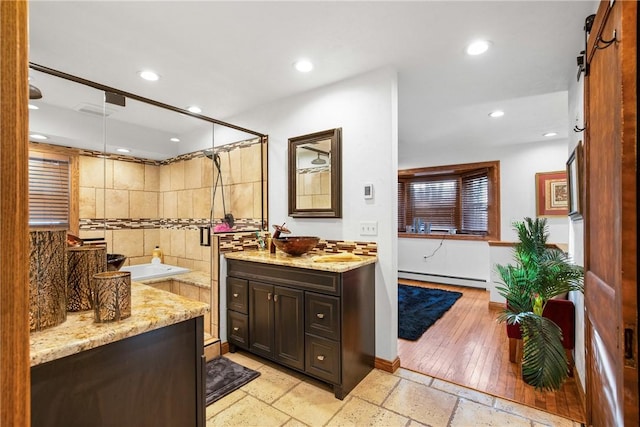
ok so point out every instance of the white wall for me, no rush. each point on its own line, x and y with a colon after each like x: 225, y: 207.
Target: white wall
x: 576, y: 227
x: 518, y: 166
x: 365, y: 107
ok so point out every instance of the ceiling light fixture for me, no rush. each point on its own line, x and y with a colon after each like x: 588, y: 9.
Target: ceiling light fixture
x: 38, y: 136
x: 149, y: 75
x: 478, y: 47
x: 550, y: 134
x: 33, y: 107
x: 194, y: 109
x: 123, y: 150
x: 497, y: 113
x: 303, y: 65
x: 174, y: 139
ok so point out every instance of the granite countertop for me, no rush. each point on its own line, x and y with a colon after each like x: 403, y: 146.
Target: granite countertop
x: 196, y: 278
x: 150, y: 309
x: 304, y: 261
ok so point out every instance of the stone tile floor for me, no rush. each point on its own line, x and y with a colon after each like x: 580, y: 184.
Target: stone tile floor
x: 281, y: 397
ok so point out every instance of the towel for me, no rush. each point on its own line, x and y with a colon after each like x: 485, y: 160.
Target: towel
x: 340, y: 257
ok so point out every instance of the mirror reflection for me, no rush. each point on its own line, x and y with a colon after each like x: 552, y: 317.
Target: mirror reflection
x: 142, y: 164
x: 314, y: 175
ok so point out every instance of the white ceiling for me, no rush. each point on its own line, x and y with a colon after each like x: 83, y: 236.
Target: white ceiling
x: 231, y: 56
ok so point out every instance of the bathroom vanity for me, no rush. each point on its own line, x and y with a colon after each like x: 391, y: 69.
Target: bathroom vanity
x: 143, y: 370
x: 316, y: 318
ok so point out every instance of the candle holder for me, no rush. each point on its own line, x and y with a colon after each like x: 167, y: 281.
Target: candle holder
x: 111, y: 292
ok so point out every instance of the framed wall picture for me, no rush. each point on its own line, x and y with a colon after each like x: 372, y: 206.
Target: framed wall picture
x: 552, y: 195
x: 575, y: 174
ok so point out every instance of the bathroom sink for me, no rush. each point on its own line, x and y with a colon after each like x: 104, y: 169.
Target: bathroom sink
x: 115, y: 261
x: 296, y: 245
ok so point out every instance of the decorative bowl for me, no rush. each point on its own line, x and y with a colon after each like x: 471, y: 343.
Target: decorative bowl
x: 296, y: 245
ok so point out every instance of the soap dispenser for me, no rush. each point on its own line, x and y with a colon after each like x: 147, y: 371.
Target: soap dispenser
x: 156, y: 256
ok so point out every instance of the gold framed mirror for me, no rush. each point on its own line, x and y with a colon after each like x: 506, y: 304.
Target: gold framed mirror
x: 315, y: 178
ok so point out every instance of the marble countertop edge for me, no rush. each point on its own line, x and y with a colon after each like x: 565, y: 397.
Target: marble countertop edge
x: 151, y: 309
x: 304, y: 261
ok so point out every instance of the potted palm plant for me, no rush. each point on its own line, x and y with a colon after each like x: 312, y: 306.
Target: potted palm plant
x: 540, y: 273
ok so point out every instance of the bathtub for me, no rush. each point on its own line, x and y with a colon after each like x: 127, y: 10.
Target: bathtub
x: 152, y: 271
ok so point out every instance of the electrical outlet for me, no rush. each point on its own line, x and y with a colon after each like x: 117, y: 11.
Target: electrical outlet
x: 368, y: 228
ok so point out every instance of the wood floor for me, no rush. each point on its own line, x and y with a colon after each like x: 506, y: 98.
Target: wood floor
x: 468, y: 347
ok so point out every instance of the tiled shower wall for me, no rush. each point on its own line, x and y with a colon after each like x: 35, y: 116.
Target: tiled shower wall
x: 148, y: 203
x: 314, y: 189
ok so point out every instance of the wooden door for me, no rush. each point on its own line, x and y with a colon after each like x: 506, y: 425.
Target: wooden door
x: 610, y: 217
x: 14, y: 204
x: 289, y: 326
x: 261, y: 319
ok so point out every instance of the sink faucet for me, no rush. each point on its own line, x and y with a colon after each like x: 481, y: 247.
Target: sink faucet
x: 276, y: 234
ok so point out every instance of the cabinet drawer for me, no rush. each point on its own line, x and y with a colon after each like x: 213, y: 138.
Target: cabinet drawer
x: 322, y: 315
x: 238, y: 329
x: 237, y: 295
x: 300, y: 278
x: 322, y: 358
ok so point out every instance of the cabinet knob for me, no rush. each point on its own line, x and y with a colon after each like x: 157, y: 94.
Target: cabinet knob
x: 275, y: 297
x: 269, y: 296
x: 236, y: 329
x: 320, y: 357
x: 235, y: 295
x: 320, y: 315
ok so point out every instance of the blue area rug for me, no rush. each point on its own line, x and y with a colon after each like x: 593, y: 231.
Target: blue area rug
x: 224, y: 376
x: 419, y: 308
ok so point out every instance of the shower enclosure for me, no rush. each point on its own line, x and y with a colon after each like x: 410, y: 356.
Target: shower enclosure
x: 143, y: 174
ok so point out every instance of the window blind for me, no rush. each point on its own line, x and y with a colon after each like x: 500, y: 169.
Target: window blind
x: 475, y: 203
x: 402, y: 209
x: 459, y: 200
x: 49, y: 190
x: 434, y: 201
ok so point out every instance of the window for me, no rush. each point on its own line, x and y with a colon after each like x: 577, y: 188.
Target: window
x: 50, y: 189
x: 464, y: 198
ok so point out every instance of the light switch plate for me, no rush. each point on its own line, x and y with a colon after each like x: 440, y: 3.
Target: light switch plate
x: 368, y: 191
x: 368, y: 228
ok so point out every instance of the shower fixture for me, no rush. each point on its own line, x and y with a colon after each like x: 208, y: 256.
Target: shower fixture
x: 318, y: 161
x: 34, y: 92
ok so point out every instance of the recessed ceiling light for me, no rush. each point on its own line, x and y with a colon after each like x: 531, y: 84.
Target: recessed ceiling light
x: 497, y: 113
x: 149, y: 75
x: 123, y: 150
x: 478, y: 47
x: 549, y: 134
x: 194, y: 109
x: 38, y: 136
x: 174, y: 139
x: 33, y: 107
x: 303, y: 65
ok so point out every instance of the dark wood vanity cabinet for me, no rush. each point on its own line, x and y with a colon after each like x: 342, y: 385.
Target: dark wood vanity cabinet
x: 317, y: 322
x: 276, y: 323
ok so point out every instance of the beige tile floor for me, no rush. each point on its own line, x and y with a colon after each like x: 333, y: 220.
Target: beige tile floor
x: 281, y: 397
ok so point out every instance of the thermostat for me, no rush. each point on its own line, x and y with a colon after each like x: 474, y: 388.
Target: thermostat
x: 368, y: 191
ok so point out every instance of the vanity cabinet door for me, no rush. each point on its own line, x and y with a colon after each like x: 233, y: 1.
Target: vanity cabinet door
x: 261, y: 318
x: 276, y: 323
x: 289, y: 326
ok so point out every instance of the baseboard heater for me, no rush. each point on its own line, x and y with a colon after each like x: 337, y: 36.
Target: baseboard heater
x: 444, y: 279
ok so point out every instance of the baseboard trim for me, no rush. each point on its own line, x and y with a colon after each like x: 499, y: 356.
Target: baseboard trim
x: 581, y: 393
x: 386, y: 365
x: 496, y: 305
x: 224, y: 347
x: 470, y: 282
